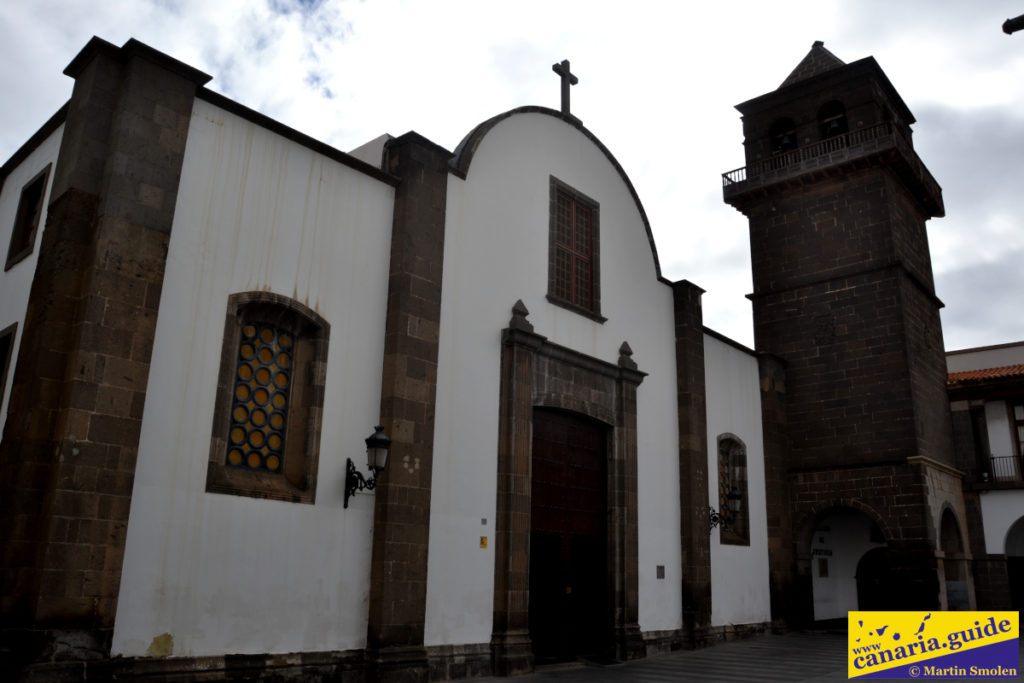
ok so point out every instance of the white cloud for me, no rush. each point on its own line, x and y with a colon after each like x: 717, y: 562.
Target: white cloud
x: 658, y: 82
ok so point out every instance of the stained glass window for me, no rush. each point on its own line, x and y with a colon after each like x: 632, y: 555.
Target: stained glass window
x: 725, y: 480
x: 732, y: 490
x: 259, y: 409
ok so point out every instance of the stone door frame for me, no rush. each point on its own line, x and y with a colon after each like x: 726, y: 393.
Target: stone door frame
x: 536, y: 373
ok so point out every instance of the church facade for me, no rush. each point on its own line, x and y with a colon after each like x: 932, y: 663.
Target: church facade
x: 206, y: 313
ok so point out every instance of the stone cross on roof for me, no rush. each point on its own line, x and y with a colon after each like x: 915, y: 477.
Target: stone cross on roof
x: 568, y: 79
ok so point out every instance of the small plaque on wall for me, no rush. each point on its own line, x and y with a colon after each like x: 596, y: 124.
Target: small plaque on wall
x: 483, y: 542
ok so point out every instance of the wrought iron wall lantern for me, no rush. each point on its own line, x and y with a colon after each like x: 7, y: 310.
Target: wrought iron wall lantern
x: 377, y: 447
x: 734, y: 500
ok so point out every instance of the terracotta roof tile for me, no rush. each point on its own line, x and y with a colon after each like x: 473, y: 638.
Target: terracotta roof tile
x: 986, y: 374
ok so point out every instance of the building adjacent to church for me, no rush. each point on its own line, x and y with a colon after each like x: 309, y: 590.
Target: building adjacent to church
x: 205, y: 313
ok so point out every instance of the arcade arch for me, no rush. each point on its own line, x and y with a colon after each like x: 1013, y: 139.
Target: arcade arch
x: 1015, y: 563
x: 849, y: 562
x: 954, y: 562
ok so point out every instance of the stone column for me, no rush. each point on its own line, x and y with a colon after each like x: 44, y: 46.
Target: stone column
x: 398, y: 573
x: 693, y: 462
x: 75, y: 416
x: 510, y: 639
x: 623, y: 516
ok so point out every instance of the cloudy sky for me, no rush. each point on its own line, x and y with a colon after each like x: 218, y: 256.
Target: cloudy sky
x: 657, y: 84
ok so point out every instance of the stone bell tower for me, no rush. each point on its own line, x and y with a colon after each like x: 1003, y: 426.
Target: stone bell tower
x: 846, y: 316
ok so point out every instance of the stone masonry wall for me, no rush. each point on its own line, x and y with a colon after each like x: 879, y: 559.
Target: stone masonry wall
x: 71, y: 438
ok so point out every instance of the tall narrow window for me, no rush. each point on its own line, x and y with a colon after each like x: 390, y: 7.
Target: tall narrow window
x: 267, y: 418
x: 732, y: 490
x: 6, y: 347
x: 573, y: 256
x: 26, y: 220
x: 1017, y: 420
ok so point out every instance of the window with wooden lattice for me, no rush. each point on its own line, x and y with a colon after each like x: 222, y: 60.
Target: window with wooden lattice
x: 573, y: 254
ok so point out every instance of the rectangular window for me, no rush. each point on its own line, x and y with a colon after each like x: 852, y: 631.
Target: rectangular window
x: 1017, y: 422
x: 573, y: 254
x: 6, y: 346
x: 26, y: 220
x: 1018, y: 427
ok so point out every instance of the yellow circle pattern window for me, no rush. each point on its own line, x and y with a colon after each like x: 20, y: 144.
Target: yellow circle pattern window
x: 259, y: 412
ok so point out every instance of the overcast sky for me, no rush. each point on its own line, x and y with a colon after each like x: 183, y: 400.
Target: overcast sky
x: 657, y: 84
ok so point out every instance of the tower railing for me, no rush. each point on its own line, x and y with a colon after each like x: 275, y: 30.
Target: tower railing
x: 850, y: 146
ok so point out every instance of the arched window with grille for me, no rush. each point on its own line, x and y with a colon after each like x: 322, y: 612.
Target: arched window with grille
x: 268, y: 414
x: 732, y: 490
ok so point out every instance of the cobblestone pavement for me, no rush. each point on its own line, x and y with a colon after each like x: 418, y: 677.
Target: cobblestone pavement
x: 790, y: 658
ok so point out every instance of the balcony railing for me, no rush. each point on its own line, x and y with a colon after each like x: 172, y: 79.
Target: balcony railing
x: 857, y: 144
x: 1006, y: 468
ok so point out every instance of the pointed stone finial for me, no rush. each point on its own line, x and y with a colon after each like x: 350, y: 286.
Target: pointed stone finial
x: 626, y: 357
x: 519, y: 321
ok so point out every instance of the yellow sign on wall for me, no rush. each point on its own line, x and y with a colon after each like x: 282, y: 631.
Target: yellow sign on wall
x: 483, y: 542
x: 933, y: 645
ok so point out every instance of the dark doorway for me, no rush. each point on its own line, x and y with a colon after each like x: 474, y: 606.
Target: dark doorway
x: 569, y: 615
x: 873, y: 592
x: 1015, y: 571
x: 1015, y: 563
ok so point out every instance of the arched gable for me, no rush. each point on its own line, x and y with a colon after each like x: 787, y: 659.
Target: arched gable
x: 466, y: 149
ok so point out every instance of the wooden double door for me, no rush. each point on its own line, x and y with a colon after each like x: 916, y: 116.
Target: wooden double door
x: 570, y: 615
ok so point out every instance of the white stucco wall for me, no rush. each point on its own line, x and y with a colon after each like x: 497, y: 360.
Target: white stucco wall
x: 372, y: 152
x: 999, y: 510
x: 985, y: 357
x: 496, y: 251
x: 739, y: 573
x: 230, y: 574
x: 16, y: 282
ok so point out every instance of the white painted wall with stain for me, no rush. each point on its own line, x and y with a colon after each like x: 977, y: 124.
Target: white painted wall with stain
x: 208, y: 574
x: 739, y: 573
